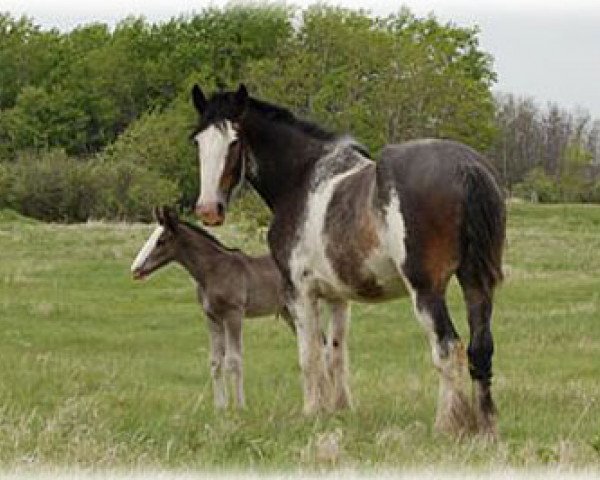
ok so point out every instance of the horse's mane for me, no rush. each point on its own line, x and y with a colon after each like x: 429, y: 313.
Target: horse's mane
x: 282, y: 115
x: 220, y: 103
x: 208, y: 236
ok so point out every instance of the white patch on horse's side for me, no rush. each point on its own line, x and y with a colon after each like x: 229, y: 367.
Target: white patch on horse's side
x: 309, y: 253
x: 395, y: 234
x: 146, y: 250
x: 213, y: 145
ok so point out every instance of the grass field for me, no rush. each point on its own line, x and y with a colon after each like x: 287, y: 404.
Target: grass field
x: 99, y: 371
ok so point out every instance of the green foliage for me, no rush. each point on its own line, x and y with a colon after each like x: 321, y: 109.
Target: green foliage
x: 537, y: 186
x: 383, y: 80
x: 53, y: 187
x: 160, y: 142
x: 123, y: 95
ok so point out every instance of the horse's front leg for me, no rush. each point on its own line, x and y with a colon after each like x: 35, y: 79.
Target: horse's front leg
x: 216, y: 359
x: 337, y: 354
x: 233, y: 355
x: 304, y: 308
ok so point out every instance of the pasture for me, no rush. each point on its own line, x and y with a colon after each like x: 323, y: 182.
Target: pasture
x: 100, y: 371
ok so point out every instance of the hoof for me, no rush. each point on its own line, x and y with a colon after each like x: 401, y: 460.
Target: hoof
x: 487, y: 427
x: 455, y: 415
x: 342, y: 401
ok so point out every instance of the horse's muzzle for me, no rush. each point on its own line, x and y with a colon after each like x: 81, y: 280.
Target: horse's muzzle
x: 211, y: 214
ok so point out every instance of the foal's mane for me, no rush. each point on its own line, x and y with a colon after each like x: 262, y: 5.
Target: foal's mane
x: 208, y: 236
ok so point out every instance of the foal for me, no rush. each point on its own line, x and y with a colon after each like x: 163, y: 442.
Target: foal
x: 231, y: 285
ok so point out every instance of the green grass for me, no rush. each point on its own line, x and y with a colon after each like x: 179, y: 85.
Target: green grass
x: 100, y: 371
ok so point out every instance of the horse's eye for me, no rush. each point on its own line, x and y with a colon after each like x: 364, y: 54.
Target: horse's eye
x: 160, y: 242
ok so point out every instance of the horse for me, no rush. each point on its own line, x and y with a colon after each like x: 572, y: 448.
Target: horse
x: 345, y: 227
x: 230, y: 286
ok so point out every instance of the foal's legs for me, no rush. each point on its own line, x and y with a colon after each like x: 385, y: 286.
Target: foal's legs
x: 217, y: 356
x: 480, y: 351
x: 454, y: 414
x: 310, y: 349
x: 233, y: 355
x: 337, y: 354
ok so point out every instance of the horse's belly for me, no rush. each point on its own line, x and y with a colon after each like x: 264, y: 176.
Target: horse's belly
x: 380, y: 270
x: 374, y: 280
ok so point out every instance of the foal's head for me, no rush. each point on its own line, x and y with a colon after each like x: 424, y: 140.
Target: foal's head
x: 161, y: 246
x: 220, y: 151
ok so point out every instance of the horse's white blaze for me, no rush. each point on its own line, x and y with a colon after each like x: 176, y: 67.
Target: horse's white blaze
x: 309, y: 253
x: 213, y: 145
x: 146, y: 250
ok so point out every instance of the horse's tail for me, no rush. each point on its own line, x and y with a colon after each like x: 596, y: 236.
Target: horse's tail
x: 483, y: 228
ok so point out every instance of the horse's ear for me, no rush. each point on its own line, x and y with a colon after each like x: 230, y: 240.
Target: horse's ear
x: 199, y: 99
x: 240, y: 99
x: 158, y: 216
x: 170, y: 218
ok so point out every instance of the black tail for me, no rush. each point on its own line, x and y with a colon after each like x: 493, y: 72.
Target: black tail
x: 483, y: 228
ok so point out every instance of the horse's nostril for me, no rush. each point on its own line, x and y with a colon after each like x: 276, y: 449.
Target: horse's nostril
x: 220, y: 209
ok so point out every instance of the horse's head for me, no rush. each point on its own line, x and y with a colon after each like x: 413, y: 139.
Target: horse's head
x: 220, y: 150
x: 160, y: 248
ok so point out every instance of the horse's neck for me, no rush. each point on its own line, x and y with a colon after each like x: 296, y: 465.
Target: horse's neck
x: 280, y: 160
x: 196, y: 253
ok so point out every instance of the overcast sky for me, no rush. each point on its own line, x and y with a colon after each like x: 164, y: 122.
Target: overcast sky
x: 548, y: 49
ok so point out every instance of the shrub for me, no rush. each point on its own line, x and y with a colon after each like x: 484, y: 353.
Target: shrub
x: 538, y: 187
x: 54, y: 187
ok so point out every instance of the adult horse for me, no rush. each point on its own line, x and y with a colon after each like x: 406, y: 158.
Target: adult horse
x: 345, y: 227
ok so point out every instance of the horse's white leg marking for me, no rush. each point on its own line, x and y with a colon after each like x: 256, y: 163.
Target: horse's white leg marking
x: 454, y: 412
x: 310, y: 351
x: 337, y: 354
x: 233, y: 356
x: 216, y: 361
x: 213, y: 145
x: 146, y: 250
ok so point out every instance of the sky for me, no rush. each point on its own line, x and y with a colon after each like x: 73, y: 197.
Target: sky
x: 546, y: 49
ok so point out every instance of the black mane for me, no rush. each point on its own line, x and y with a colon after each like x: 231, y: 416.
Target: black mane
x: 278, y: 114
x: 221, y: 106
x: 208, y: 236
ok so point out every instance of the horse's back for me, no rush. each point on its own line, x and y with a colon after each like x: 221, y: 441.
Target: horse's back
x: 418, y: 163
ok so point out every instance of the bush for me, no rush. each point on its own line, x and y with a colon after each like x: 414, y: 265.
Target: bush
x: 538, y: 187
x: 160, y: 142
x: 54, y: 187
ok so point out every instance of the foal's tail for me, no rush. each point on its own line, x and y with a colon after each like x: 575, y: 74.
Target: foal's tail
x: 483, y: 228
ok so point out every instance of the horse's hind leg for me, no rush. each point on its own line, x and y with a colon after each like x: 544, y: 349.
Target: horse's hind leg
x: 480, y: 351
x: 454, y: 413
x: 337, y: 355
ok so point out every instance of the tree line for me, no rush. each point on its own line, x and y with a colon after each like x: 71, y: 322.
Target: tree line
x: 95, y: 122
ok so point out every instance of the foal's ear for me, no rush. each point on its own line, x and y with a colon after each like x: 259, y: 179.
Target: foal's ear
x: 199, y: 99
x: 170, y: 218
x: 158, y: 216
x: 241, y: 99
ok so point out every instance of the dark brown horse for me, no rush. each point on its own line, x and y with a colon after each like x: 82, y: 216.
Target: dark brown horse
x: 345, y: 227
x: 230, y: 284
